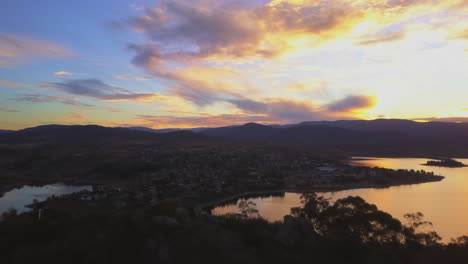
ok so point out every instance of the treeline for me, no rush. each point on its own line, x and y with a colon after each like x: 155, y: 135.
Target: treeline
x: 348, y: 230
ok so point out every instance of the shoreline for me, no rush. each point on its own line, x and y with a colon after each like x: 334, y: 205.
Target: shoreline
x: 10, y: 187
x: 210, y: 205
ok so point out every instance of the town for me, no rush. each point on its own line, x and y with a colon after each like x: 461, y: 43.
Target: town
x: 204, y: 176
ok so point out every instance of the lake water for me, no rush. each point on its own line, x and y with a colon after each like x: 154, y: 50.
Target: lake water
x: 443, y: 203
x: 20, y: 197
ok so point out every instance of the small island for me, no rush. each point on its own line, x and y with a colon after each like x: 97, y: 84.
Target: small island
x: 450, y: 163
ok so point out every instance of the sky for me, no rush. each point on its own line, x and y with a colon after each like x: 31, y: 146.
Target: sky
x: 207, y: 63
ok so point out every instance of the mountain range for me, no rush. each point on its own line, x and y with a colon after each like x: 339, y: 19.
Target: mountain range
x: 349, y: 134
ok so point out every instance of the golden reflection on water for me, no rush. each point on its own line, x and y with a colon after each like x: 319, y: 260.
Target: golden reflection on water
x: 443, y: 203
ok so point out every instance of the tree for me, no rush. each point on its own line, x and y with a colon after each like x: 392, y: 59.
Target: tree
x: 415, y: 233
x: 460, y: 241
x: 312, y: 208
x: 248, y: 209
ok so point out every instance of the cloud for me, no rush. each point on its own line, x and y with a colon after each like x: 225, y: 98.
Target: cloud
x: 271, y: 111
x: 286, y: 110
x: 14, y: 49
x: 97, y: 89
x: 181, y: 30
x: 249, y: 105
x: 74, y: 117
x: 60, y: 73
x: 8, y: 110
x: 132, y: 78
x: 38, y: 98
x: 461, y: 35
x: 205, y: 86
x: 196, y: 121
x: 11, y: 84
x: 188, y: 41
x: 199, y: 29
x: 136, y: 7
x: 237, y: 57
x: 198, y: 94
x: 295, y: 111
x: 281, y: 110
x: 455, y: 119
x: 382, y: 37
x: 351, y: 103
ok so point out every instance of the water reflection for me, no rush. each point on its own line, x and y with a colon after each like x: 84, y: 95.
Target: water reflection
x: 444, y: 203
x: 20, y: 197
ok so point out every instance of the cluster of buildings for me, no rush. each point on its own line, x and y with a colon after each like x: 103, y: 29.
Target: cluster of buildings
x: 201, y: 175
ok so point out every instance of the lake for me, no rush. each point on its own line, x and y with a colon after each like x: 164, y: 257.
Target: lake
x: 444, y: 203
x: 19, y: 197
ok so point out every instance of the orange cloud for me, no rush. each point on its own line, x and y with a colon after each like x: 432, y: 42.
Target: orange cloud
x: 463, y: 34
x: 62, y: 73
x: 181, y: 30
x: 271, y: 111
x: 196, y: 121
x: 239, y: 56
x: 74, y: 117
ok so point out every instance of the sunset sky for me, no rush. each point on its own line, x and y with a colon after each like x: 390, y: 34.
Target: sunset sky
x: 192, y: 63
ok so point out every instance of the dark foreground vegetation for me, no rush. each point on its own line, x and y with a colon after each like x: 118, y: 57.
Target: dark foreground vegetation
x: 349, y: 230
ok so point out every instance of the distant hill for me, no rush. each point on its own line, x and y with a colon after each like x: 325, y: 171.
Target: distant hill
x: 2, y: 131
x: 422, y: 130
x: 93, y: 134
x: 382, y: 137
x: 351, y: 131
x: 316, y: 134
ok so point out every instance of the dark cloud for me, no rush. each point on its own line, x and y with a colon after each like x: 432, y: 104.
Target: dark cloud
x: 284, y: 110
x: 295, y: 111
x: 249, y: 105
x: 280, y: 109
x: 38, y: 98
x: 350, y: 103
x: 96, y: 89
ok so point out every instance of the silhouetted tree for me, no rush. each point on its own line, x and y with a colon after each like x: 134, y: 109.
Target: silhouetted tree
x: 247, y: 208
